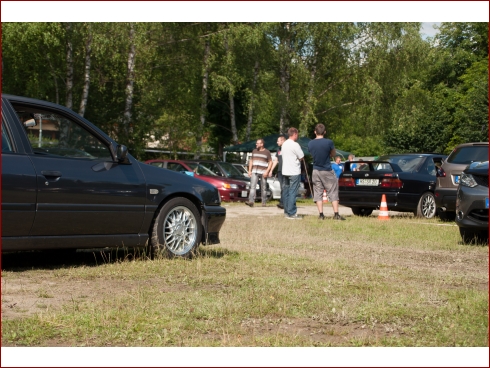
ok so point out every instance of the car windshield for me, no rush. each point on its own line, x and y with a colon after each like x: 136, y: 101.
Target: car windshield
x: 229, y: 169
x: 468, y: 154
x: 200, y: 170
x: 240, y: 168
x: 406, y: 163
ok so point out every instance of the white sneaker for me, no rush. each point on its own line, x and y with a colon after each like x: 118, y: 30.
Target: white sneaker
x: 294, y: 217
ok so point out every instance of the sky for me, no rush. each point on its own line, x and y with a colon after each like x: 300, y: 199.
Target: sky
x: 427, y: 29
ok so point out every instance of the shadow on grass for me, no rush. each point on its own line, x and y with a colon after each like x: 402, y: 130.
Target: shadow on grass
x: 63, y: 258
x: 204, y: 252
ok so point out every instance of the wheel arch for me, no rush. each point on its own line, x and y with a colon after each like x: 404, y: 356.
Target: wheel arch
x: 188, y: 196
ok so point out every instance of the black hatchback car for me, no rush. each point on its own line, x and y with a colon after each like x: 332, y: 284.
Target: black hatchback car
x: 66, y: 184
x: 408, y: 181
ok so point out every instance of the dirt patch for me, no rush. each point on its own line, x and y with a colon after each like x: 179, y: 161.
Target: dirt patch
x: 321, y: 332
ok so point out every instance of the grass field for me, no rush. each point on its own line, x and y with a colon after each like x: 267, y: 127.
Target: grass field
x: 271, y: 282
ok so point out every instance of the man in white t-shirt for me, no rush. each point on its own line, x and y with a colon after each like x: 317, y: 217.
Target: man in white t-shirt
x: 292, y: 155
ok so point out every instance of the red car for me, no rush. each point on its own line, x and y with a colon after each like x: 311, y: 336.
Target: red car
x: 230, y: 190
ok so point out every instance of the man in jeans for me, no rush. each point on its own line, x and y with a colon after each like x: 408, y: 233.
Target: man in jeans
x: 278, y: 161
x: 292, y: 155
x: 258, y: 167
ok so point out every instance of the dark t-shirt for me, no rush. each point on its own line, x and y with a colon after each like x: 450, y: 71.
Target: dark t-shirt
x: 320, y: 150
x: 279, y: 161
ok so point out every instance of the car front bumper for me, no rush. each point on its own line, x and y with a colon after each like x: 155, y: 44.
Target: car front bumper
x: 213, y: 218
x: 471, y: 210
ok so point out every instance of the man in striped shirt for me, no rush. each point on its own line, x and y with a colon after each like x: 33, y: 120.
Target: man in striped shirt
x: 259, y: 166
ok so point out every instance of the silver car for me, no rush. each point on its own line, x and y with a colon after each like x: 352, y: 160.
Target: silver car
x: 472, y: 203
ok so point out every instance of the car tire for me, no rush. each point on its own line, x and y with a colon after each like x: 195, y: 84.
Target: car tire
x: 426, y: 206
x: 177, y: 230
x: 362, y: 211
x: 473, y: 236
x: 447, y: 215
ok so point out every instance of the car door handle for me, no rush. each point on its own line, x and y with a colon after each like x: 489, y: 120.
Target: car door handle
x: 51, y: 176
x: 51, y: 173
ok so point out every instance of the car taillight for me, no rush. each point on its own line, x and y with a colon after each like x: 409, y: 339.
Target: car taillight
x: 346, y: 182
x: 440, y: 173
x: 391, y: 183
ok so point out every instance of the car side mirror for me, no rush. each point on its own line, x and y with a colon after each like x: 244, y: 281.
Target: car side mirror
x: 122, y: 154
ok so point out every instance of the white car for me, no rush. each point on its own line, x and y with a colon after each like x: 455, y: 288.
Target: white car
x: 276, y: 188
x: 273, y: 183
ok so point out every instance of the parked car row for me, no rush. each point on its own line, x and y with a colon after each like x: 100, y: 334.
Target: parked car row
x: 230, y: 190
x: 67, y: 185
x: 455, y: 186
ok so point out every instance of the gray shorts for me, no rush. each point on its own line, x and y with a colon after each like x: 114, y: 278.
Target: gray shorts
x: 325, y: 180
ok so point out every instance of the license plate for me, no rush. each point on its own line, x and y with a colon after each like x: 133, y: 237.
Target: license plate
x: 244, y: 193
x: 456, y: 179
x: 486, y: 202
x: 367, y: 182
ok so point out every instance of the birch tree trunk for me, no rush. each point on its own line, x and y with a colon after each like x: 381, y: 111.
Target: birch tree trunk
x: 285, y: 76
x: 252, y: 98
x: 69, y: 66
x: 232, y: 104
x: 308, y: 111
x: 204, y: 97
x: 129, y: 84
x: 86, y: 85
x: 55, y: 80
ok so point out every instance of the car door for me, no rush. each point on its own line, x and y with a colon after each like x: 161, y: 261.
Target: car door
x: 422, y: 179
x: 81, y: 189
x: 18, y: 184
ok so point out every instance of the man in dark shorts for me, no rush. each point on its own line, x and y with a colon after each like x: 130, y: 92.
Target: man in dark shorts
x: 324, y: 178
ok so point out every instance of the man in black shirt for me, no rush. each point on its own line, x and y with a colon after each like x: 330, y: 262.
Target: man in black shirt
x: 278, y: 162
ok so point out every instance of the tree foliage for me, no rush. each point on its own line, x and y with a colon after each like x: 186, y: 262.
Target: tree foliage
x: 377, y: 87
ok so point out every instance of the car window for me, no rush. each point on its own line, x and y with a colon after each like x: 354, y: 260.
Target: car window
x: 6, y: 141
x: 157, y: 164
x: 230, y: 170
x: 52, y: 134
x: 176, y: 167
x: 201, y: 170
x: 212, y: 167
x: 468, y: 154
x: 382, y: 167
x: 241, y: 169
x: 405, y: 163
x: 429, y: 167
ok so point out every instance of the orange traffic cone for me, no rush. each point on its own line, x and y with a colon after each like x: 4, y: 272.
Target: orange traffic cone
x: 383, y: 209
x: 325, y: 199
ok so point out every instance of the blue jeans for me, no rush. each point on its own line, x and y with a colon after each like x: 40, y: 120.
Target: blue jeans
x: 290, y: 189
x: 253, y: 184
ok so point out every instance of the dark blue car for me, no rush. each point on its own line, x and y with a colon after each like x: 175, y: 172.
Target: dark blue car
x: 472, y: 203
x: 408, y: 181
x: 66, y: 184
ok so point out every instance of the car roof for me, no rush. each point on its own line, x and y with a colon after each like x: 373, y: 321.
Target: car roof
x: 414, y: 154
x: 471, y: 144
